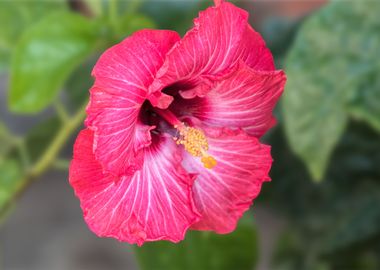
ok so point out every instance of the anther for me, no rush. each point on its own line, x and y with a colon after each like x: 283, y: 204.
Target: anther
x: 195, y: 143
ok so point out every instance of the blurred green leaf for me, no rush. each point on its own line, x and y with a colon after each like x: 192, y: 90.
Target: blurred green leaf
x: 204, y: 251
x: 178, y: 15
x: 10, y: 181
x: 366, y: 104
x: 288, y: 251
x: 12, y: 172
x: 15, y: 17
x: 40, y: 136
x: 357, y: 221
x: 4, y: 145
x: 334, y: 53
x: 96, y: 6
x: 79, y: 83
x: 360, y: 259
x: 279, y: 34
x: 45, y: 56
x: 133, y: 22
x: 335, y: 221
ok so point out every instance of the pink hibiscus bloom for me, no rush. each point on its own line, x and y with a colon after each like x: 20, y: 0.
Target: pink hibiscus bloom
x: 172, y: 130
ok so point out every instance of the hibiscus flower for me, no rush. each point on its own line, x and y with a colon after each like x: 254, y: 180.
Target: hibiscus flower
x: 171, y: 139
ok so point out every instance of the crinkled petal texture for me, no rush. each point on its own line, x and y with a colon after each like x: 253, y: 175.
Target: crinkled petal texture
x: 220, y: 38
x: 153, y: 204
x: 224, y: 72
x: 122, y: 77
x: 245, y: 99
x: 225, y: 192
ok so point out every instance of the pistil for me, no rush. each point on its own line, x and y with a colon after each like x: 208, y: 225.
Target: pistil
x: 168, y: 116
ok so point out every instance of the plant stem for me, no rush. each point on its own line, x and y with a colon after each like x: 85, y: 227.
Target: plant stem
x: 58, y: 142
x: 61, y: 111
x: 49, y: 156
x: 61, y: 164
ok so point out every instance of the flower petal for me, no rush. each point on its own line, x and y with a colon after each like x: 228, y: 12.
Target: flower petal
x: 153, y: 204
x: 222, y: 194
x: 122, y: 76
x: 244, y: 99
x: 220, y: 38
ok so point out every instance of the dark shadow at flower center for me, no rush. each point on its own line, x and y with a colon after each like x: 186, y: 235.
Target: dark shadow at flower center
x: 183, y: 106
x: 179, y: 107
x: 173, y: 89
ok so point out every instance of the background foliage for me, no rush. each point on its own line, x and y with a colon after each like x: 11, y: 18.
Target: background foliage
x: 326, y: 146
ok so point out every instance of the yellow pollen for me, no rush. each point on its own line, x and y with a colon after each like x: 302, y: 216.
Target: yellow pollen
x: 195, y: 142
x: 208, y: 162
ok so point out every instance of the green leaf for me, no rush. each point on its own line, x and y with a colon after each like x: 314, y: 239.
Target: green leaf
x: 95, y: 6
x: 40, y: 137
x: 289, y: 253
x: 333, y: 55
x: 134, y: 22
x: 335, y: 215
x: 10, y: 181
x: 15, y: 17
x: 177, y: 15
x: 366, y: 104
x: 356, y: 222
x: 12, y: 172
x: 6, y: 141
x: 3, y: 140
x: 279, y: 34
x: 78, y: 85
x: 45, y: 56
x: 204, y: 251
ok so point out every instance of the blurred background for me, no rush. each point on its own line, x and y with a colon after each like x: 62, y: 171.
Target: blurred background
x: 320, y: 212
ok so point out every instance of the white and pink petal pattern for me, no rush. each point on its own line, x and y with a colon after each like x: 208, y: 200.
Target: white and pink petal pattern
x: 153, y: 204
x: 243, y: 99
x: 220, y: 38
x: 122, y: 77
x: 225, y: 192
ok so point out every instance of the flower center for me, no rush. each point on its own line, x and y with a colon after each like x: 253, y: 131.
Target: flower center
x: 193, y: 139
x: 195, y: 142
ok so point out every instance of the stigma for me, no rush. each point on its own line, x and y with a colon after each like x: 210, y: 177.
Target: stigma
x: 195, y: 143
